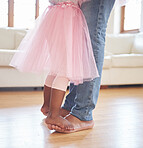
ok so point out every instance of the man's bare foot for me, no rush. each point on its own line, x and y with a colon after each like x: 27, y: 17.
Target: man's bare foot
x: 58, y: 123
x: 78, y: 125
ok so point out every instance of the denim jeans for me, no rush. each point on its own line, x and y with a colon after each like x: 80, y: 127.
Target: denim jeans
x: 82, y: 98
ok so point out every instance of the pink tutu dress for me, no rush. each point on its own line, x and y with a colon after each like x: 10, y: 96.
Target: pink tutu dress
x: 58, y: 44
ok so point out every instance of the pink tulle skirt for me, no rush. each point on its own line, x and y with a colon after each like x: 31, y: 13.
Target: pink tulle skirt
x: 58, y: 44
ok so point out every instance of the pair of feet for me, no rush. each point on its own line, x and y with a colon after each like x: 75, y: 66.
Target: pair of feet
x: 58, y: 118
x: 65, y: 122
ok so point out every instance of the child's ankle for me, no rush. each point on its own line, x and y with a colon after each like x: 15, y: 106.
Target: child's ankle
x: 54, y: 114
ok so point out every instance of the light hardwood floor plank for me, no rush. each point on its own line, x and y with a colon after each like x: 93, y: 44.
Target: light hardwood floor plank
x: 118, y: 121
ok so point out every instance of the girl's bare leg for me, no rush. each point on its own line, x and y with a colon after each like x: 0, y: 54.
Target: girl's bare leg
x: 54, y: 120
x: 46, y: 104
x: 47, y: 92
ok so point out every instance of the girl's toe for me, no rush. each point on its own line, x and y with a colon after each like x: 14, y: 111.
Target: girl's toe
x: 53, y: 127
x: 49, y: 126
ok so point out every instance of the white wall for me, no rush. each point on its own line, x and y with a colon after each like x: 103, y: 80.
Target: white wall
x: 110, y: 24
x: 113, y: 26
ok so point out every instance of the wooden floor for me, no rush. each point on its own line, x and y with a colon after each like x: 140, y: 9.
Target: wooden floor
x: 118, y: 122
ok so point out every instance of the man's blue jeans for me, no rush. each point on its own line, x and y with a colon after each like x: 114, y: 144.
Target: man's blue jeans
x: 82, y: 98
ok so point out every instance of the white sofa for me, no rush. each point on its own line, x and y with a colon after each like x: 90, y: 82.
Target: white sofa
x: 10, y: 38
x: 123, y: 60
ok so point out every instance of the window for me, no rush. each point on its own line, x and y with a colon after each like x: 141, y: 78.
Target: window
x: 3, y: 13
x: 131, y: 17
x: 21, y: 13
x: 24, y: 13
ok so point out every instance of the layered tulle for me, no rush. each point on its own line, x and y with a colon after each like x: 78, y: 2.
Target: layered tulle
x: 59, y: 44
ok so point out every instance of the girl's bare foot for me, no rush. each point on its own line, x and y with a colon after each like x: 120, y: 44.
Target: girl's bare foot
x: 45, y: 110
x: 45, y: 107
x: 54, y: 120
x: 57, y: 122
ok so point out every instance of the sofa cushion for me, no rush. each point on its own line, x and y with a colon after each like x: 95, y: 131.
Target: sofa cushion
x: 107, y: 53
x: 107, y: 62
x: 138, y: 44
x: 127, y: 60
x: 119, y: 43
x: 6, y: 38
x: 6, y: 56
x: 10, y: 37
x: 18, y: 38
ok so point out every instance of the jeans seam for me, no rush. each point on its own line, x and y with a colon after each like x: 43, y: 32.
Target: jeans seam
x: 89, y: 98
x: 98, y: 22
